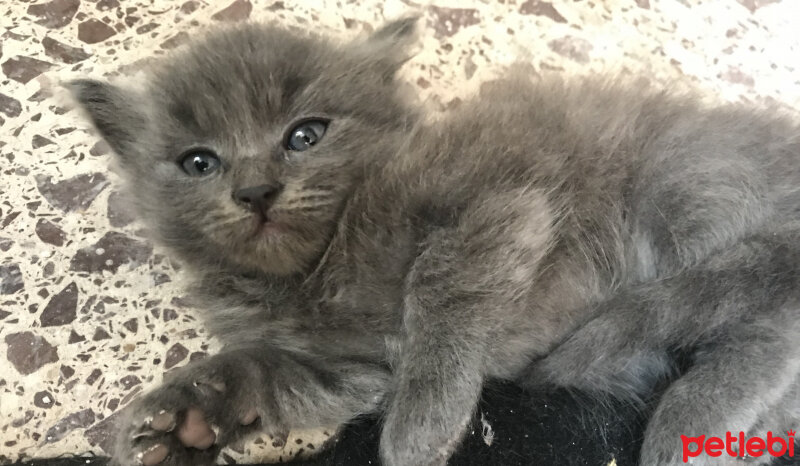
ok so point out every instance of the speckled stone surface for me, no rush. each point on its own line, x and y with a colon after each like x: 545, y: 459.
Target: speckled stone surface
x: 91, y: 314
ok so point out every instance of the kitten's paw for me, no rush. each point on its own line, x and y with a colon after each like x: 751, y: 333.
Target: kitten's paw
x: 405, y: 455
x: 404, y: 444
x: 166, y: 438
x: 186, y: 421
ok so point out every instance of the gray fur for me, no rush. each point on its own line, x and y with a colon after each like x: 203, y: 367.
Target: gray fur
x: 579, y: 234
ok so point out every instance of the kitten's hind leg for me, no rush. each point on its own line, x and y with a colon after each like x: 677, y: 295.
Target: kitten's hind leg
x: 734, y: 386
x: 625, y: 348
x: 740, y: 307
x: 779, y: 419
x: 608, y: 355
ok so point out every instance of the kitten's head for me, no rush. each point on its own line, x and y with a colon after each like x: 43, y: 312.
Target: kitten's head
x: 242, y: 149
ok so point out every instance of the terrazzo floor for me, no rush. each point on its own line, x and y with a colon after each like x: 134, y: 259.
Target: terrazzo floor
x: 91, y: 314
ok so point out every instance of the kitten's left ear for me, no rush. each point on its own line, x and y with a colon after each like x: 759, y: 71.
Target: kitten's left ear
x: 118, y: 114
x: 392, y: 43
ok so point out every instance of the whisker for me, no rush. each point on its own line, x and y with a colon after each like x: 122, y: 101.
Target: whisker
x: 311, y: 201
x: 305, y: 193
x: 321, y: 188
x: 306, y: 205
x: 216, y: 217
x: 304, y: 209
x: 312, y: 197
x: 220, y: 224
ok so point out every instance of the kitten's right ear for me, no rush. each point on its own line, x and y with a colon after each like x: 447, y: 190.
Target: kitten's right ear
x: 391, y: 43
x: 116, y: 113
x: 400, y: 30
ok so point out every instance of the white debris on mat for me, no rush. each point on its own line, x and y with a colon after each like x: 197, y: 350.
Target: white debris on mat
x: 486, y: 431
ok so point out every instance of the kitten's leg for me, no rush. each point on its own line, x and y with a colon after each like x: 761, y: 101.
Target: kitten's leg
x: 779, y: 419
x: 203, y: 406
x: 625, y: 347
x: 739, y: 306
x: 614, y: 352
x: 437, y: 385
x: 731, y: 388
x: 461, y: 309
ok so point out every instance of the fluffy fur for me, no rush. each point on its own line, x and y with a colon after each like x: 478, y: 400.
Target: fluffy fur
x: 581, y: 234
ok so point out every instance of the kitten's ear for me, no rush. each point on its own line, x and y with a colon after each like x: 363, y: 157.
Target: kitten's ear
x: 392, y: 43
x: 398, y: 30
x: 118, y: 114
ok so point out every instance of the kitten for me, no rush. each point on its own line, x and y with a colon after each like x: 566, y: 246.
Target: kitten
x: 354, y: 259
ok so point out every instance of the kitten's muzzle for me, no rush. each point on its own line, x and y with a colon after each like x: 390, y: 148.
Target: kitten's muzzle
x: 258, y: 198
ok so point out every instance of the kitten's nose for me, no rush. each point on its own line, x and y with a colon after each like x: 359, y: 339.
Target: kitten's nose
x: 258, y: 198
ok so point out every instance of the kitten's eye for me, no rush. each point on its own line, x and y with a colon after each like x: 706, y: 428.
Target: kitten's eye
x: 200, y: 163
x: 306, y: 134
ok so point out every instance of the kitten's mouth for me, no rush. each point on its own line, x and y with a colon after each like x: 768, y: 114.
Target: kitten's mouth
x: 265, y: 225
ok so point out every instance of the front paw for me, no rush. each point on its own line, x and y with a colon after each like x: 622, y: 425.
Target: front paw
x: 187, y: 420
x: 406, y: 441
x: 400, y: 450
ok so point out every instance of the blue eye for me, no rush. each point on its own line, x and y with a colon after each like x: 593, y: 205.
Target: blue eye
x: 306, y: 134
x: 200, y: 163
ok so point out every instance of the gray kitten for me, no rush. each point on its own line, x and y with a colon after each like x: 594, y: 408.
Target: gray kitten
x: 354, y: 259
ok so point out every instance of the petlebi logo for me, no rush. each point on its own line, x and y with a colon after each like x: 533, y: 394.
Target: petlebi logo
x: 738, y: 445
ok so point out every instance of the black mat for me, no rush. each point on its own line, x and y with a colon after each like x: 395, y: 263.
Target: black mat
x: 558, y: 428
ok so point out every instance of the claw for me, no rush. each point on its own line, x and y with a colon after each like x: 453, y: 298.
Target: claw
x: 154, y: 455
x: 163, y: 421
x: 144, y: 434
x: 217, y: 386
